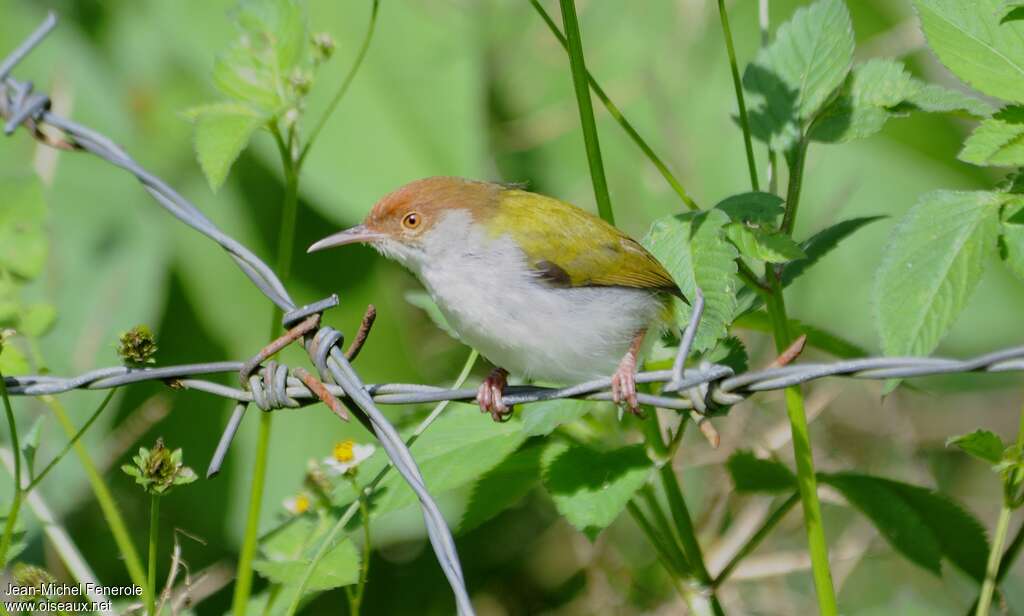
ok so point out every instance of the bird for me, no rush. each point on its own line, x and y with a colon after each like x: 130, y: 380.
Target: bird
x: 541, y: 288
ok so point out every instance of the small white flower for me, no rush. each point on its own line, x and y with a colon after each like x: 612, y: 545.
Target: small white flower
x: 345, y: 456
x: 298, y: 504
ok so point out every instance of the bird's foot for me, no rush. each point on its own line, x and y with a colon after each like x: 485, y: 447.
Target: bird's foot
x: 489, y: 395
x: 624, y: 384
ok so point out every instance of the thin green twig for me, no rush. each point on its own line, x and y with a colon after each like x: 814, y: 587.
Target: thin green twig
x: 755, y: 540
x: 12, y: 513
x: 343, y: 88
x: 71, y: 443
x: 586, y: 108
x: 616, y: 113
x: 740, y: 101
x: 154, y: 528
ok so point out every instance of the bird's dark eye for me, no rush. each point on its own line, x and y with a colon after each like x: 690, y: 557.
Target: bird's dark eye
x: 412, y: 220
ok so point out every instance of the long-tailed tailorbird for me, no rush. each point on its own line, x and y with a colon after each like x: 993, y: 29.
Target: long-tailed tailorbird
x: 539, y: 287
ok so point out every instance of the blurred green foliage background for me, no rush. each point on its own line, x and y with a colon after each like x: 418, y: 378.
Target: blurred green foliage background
x: 478, y: 89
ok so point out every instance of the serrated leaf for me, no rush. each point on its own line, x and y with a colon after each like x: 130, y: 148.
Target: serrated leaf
x: 423, y: 301
x: 931, y: 265
x: 591, y: 488
x: 917, y: 521
x: 752, y: 474
x: 997, y: 141
x: 1011, y: 237
x: 693, y: 249
x: 771, y: 247
x: 752, y: 207
x: 730, y: 352
x: 967, y: 38
x: 338, y: 567
x: 863, y: 108
x: 23, y: 243
x: 256, y: 67
x: 982, y: 444
x: 222, y: 130
x: 459, y: 448
x: 36, y: 320
x: 542, y: 418
x: 816, y: 337
x: 792, y: 78
x: 938, y: 99
x: 502, y: 487
x: 896, y: 520
x: 821, y: 243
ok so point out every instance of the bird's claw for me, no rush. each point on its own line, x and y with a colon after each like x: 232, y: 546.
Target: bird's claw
x: 624, y: 386
x: 489, y: 395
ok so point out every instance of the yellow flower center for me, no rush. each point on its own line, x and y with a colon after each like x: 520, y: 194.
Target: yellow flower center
x: 301, y: 503
x: 343, y: 451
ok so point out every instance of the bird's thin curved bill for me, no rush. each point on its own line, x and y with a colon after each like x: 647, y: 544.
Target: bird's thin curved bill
x: 356, y: 235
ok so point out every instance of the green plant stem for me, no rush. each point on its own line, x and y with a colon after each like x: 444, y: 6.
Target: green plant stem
x: 586, y: 108
x: 71, y: 443
x: 339, y: 526
x: 285, y: 247
x: 994, y: 569
x: 770, y: 523
x: 154, y: 527
x: 664, y: 530
x: 658, y: 543
x: 796, y: 180
x: 108, y: 506
x: 343, y: 88
x: 616, y: 113
x: 355, y: 598
x: 804, y: 455
x: 741, y: 102
x: 12, y: 513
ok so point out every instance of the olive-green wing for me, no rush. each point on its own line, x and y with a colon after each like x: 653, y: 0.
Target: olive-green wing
x: 573, y: 248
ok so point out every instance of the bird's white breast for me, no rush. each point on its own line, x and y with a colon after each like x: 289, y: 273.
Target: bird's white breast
x: 497, y: 305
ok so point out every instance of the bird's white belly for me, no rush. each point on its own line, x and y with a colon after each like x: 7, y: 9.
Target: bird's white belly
x: 531, y: 329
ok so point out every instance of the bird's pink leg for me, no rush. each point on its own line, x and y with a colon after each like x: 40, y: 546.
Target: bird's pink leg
x: 489, y: 395
x: 624, y: 379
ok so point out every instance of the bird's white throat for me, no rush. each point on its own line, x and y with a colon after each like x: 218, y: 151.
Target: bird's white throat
x: 498, y: 305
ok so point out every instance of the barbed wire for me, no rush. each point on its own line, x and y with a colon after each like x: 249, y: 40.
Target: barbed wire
x: 272, y: 386
x: 21, y: 106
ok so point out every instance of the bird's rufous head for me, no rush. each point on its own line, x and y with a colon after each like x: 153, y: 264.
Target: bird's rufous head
x: 406, y: 216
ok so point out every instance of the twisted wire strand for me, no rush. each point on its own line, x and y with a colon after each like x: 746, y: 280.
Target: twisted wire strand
x: 32, y: 111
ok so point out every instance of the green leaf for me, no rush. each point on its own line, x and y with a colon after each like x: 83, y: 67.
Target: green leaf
x: 23, y: 243
x: 752, y: 207
x: 762, y: 245
x: 1011, y: 237
x: 981, y: 444
x: 864, y: 106
x: 920, y: 523
x: 257, y: 66
x: 222, y: 131
x: 12, y: 361
x: 30, y: 444
x: 423, y: 301
x: 967, y: 38
x: 752, y: 474
x: 816, y: 337
x: 591, y: 488
x: 339, y: 567
x: 730, y: 352
x: 791, y: 79
x: 37, y: 319
x: 938, y: 99
x: 18, y: 542
x: 896, y: 520
x: 542, y: 418
x: 822, y: 243
x: 502, y: 487
x: 692, y: 247
x: 459, y: 448
x: 930, y: 267
x: 997, y: 141
x: 1014, y: 12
